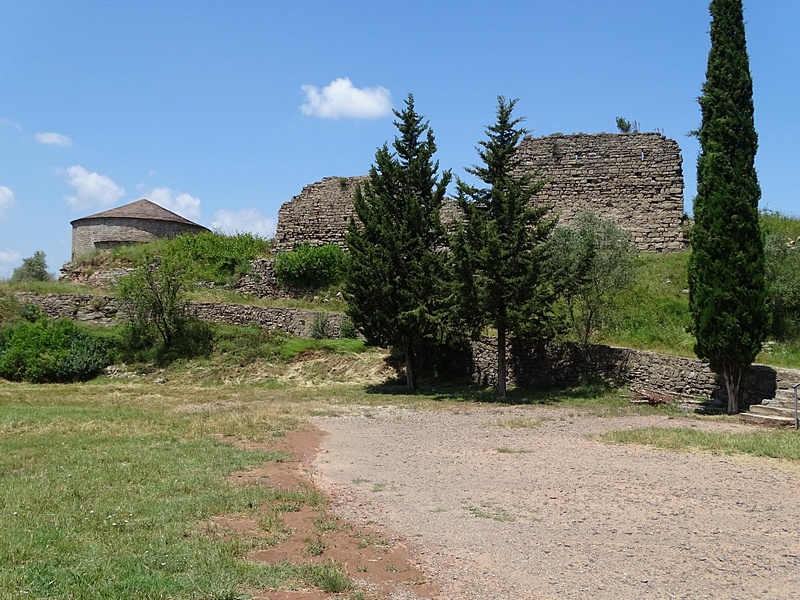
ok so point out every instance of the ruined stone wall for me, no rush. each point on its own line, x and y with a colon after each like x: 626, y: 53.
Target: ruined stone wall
x: 318, y: 214
x: 559, y: 365
x: 634, y: 179
x: 674, y: 377
x: 103, y: 310
x: 103, y: 233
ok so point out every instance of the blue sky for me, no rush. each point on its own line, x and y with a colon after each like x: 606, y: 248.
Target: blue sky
x: 222, y: 111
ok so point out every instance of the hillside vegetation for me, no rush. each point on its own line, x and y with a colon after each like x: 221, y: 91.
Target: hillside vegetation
x: 652, y: 315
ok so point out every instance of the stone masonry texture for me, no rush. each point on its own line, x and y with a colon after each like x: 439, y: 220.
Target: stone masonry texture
x: 115, y: 231
x: 557, y: 365
x: 634, y: 179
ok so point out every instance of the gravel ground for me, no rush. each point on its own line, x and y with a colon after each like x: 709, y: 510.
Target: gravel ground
x: 547, y: 512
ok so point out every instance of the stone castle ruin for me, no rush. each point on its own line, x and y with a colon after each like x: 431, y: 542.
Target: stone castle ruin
x: 635, y: 180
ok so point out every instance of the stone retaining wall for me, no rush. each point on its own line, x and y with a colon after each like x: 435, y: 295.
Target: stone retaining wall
x: 103, y: 310
x: 643, y: 371
x: 558, y: 365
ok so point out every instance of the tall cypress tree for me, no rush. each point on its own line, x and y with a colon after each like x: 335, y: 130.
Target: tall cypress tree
x: 498, y: 248
x: 395, y: 286
x: 727, y: 291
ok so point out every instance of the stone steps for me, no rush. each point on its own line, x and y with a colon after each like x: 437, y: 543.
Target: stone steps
x: 766, y: 420
x: 772, y: 412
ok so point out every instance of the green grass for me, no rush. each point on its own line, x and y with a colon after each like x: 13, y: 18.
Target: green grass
x: 782, y: 444
x: 106, y: 489
x: 654, y: 313
x: 323, y: 301
x: 47, y: 287
x: 788, y: 226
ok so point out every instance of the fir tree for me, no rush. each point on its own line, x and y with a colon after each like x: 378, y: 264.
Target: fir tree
x: 395, y: 285
x: 727, y: 291
x: 498, y: 248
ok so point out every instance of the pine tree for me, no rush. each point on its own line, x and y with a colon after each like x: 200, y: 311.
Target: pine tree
x: 395, y: 285
x: 498, y: 248
x: 727, y: 291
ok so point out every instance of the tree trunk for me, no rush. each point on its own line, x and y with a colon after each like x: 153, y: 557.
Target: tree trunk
x: 732, y: 374
x: 411, y: 374
x: 501, y: 362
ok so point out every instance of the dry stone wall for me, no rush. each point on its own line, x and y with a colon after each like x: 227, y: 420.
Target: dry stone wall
x: 634, y: 179
x: 104, y: 310
x: 675, y: 377
x: 557, y: 365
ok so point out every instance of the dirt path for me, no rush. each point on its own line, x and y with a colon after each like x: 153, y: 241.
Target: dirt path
x: 544, y: 512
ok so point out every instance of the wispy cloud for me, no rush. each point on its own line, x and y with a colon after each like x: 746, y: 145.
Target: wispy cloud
x: 341, y: 98
x: 52, y: 138
x: 11, y: 124
x: 91, y: 189
x: 8, y: 257
x: 183, y: 204
x: 247, y: 220
x: 6, y: 200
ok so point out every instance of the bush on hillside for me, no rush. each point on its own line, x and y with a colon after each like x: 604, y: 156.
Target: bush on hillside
x: 215, y: 257
x: 48, y: 351
x: 157, y: 320
x: 9, y: 308
x: 311, y: 266
x: 33, y: 268
x: 782, y: 265
x: 594, y: 260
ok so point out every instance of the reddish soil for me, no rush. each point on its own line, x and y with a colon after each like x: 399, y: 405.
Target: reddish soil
x: 382, y: 566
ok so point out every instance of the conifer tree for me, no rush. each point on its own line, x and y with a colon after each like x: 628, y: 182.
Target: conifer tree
x: 498, y: 248
x: 395, y: 284
x: 727, y: 291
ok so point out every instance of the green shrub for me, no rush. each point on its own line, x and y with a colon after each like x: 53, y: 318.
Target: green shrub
x: 9, y: 308
x: 311, y: 266
x: 47, y: 351
x: 216, y: 257
x: 347, y: 329
x: 33, y: 268
x: 158, y: 325
x: 321, y: 328
x: 782, y: 265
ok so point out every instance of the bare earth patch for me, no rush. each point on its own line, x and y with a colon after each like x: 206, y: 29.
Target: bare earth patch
x: 382, y: 566
x: 543, y: 511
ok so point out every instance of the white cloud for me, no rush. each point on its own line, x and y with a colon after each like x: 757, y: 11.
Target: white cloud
x: 247, y: 220
x: 6, y: 200
x: 341, y: 98
x: 51, y: 138
x: 185, y: 205
x: 8, y: 257
x: 92, y: 189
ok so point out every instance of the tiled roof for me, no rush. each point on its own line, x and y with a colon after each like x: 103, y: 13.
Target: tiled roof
x: 141, y: 209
